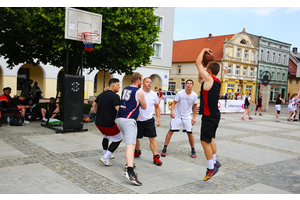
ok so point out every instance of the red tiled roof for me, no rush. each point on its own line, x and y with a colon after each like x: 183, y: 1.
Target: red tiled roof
x: 292, y: 68
x: 188, y: 50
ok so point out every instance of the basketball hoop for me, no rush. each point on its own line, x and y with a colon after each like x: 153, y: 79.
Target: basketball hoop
x: 88, y: 38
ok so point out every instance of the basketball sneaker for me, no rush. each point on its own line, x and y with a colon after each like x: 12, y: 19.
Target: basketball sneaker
x: 156, y: 160
x: 217, y: 165
x: 105, y: 161
x: 112, y: 156
x: 243, y: 119
x: 137, y: 153
x: 163, y: 152
x: 134, y: 166
x: 132, y: 177
x: 250, y: 118
x: 210, y: 173
x: 194, y: 155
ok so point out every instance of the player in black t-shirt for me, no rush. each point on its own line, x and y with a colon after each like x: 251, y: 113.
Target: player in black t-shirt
x: 106, y: 106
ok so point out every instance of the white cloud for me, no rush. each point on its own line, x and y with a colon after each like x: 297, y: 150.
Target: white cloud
x: 292, y: 9
x: 263, y: 11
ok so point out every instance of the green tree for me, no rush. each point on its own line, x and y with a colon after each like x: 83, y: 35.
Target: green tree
x: 36, y: 35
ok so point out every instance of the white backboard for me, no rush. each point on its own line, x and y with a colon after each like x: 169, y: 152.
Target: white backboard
x: 79, y: 21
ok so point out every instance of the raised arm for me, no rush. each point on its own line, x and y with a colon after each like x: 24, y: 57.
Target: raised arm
x: 203, y: 74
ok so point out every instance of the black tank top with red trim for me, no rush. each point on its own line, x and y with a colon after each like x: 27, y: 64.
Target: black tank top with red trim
x: 209, y: 99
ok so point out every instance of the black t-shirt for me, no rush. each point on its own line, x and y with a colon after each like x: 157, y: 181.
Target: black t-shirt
x: 14, y: 102
x: 106, y: 112
x: 247, y: 102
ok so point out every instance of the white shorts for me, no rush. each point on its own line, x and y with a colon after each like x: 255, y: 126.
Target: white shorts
x: 177, y: 121
x: 115, y: 138
x: 290, y: 108
x: 278, y: 107
x: 129, y: 128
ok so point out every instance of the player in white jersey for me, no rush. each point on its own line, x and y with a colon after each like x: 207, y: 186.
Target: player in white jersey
x: 146, y: 122
x: 184, y: 103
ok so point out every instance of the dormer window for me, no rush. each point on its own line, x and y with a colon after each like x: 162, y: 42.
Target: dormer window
x: 243, y: 42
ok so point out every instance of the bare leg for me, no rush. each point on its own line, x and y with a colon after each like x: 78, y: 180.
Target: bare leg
x: 137, y: 145
x: 191, y: 139
x: 153, y: 146
x: 168, y: 137
x: 129, y: 154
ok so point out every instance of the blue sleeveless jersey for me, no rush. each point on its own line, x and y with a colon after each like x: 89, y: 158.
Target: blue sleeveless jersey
x: 129, y: 106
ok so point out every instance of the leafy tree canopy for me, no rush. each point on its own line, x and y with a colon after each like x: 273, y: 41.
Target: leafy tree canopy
x: 36, y: 35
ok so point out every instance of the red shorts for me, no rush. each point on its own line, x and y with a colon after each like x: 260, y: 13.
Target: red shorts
x: 109, y: 131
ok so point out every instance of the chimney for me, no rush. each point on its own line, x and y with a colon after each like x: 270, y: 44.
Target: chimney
x: 295, y: 50
x: 209, y: 36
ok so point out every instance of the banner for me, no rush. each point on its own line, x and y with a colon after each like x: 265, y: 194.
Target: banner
x: 234, y: 106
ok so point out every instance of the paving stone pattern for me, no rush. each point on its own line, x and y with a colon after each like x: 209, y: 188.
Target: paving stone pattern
x: 260, y: 157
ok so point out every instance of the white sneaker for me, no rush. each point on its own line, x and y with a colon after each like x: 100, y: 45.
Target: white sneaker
x: 133, y: 178
x: 112, y: 156
x: 44, y: 119
x: 105, y: 161
x: 26, y: 122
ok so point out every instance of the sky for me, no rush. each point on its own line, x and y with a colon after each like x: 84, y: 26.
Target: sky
x: 278, y: 23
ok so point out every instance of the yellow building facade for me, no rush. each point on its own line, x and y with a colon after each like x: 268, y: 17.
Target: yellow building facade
x: 240, y: 62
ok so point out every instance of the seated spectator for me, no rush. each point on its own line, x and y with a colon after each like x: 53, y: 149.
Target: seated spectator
x: 52, y: 107
x: 16, y: 103
x: 5, y: 95
x: 1, y: 100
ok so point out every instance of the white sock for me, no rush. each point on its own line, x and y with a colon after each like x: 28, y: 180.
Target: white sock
x: 210, y: 164
x: 104, y: 152
x: 215, y: 158
x: 107, y: 154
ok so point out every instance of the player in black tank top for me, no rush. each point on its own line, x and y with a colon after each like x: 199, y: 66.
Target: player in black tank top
x: 210, y: 91
x: 258, y: 104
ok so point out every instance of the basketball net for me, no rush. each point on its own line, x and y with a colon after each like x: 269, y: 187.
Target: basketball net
x: 88, y: 38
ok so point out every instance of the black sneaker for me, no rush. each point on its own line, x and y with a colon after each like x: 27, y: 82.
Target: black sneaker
x: 217, y: 165
x: 260, y: 114
x: 133, y: 178
x: 163, y: 152
x: 194, y: 155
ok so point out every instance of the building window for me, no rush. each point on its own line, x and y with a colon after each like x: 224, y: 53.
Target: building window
x: 157, y: 50
x: 238, y: 55
x: 172, y: 86
x: 284, y: 59
x: 251, y: 72
x: 246, y: 54
x: 179, y: 69
x: 243, y: 42
x: 273, y: 58
x: 261, y: 54
x: 253, y: 55
x: 182, y: 85
x: 278, y: 76
x: 283, y: 76
x: 244, y: 71
x: 23, y: 76
x: 237, y: 71
x: 273, y: 76
x: 160, y: 23
x: 279, y: 55
x: 229, y: 69
x: 290, y: 81
x: 268, y: 54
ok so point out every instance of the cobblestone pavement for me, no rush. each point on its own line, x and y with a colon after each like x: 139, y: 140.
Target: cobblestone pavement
x: 259, y: 156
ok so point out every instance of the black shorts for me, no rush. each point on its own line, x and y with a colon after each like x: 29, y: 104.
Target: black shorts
x: 146, y: 128
x: 209, y: 127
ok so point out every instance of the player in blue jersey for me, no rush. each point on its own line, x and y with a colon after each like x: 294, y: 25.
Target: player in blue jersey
x: 131, y: 99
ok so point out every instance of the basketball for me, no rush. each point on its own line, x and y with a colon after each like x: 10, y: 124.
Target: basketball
x: 208, y: 57
x: 86, y: 119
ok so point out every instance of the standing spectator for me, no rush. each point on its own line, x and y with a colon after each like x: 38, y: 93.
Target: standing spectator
x: 160, y: 93
x: 246, y: 107
x: 258, y: 104
x: 26, y: 90
x: 279, y: 100
x: 36, y: 92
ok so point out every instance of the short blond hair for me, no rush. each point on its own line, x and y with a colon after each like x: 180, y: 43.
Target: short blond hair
x: 136, y: 76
